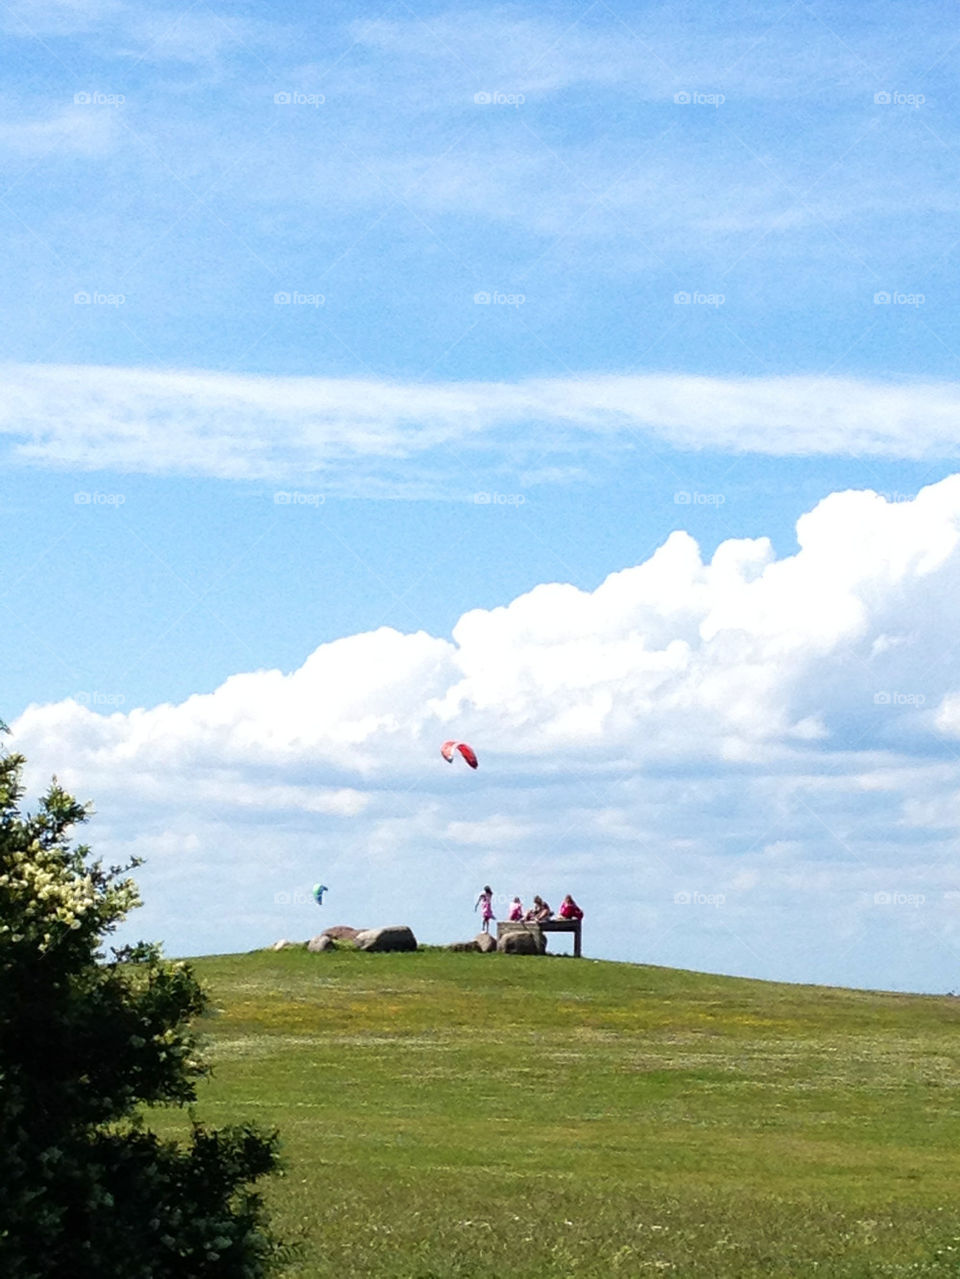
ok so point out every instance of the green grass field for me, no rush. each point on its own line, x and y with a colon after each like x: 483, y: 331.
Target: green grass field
x: 469, y: 1115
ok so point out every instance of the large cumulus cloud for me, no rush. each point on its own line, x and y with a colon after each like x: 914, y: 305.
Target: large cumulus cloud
x: 778, y: 733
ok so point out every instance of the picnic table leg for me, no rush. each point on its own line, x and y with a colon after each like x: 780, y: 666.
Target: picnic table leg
x: 576, y: 942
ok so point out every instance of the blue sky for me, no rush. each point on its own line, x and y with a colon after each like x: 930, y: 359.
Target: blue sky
x: 317, y: 323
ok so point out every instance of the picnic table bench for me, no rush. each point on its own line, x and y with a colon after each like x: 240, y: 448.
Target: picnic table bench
x: 546, y: 926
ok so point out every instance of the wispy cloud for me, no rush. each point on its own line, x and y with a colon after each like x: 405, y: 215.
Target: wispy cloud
x: 133, y: 34
x: 789, y: 52
x: 67, y: 131
x: 31, y: 18
x: 361, y: 436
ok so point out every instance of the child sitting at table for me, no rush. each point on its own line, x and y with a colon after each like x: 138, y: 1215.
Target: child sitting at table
x: 538, y: 912
x: 569, y: 909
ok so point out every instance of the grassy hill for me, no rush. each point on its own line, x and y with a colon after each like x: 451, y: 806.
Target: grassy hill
x: 468, y: 1115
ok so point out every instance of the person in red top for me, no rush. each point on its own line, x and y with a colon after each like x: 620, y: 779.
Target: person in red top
x: 569, y: 909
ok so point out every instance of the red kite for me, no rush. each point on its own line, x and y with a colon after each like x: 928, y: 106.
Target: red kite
x: 447, y: 749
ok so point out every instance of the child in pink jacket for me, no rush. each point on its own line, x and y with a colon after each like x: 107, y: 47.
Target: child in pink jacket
x: 569, y: 909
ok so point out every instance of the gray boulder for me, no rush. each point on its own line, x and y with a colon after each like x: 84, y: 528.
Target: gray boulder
x: 283, y: 944
x: 485, y: 943
x: 463, y: 945
x: 341, y: 932
x: 322, y: 942
x: 523, y: 941
x: 395, y: 937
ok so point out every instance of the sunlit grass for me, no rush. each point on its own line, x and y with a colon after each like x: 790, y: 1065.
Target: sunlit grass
x: 467, y: 1115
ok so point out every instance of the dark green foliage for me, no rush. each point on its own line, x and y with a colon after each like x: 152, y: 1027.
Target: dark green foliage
x: 85, y: 1191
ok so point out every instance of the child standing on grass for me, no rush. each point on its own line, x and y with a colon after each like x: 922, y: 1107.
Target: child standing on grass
x: 486, y: 900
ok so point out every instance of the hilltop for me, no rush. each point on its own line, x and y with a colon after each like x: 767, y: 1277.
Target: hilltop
x: 467, y: 1115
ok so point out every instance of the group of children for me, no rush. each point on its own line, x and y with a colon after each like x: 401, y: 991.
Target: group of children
x: 538, y: 913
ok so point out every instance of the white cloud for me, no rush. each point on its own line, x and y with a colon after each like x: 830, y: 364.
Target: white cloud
x: 78, y: 130
x: 710, y: 729
x: 707, y: 49
x: 947, y: 717
x: 128, y: 31
x: 373, y: 437
x: 33, y: 18
x: 636, y: 192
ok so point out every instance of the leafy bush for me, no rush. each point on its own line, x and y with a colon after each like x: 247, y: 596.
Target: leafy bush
x: 85, y: 1043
